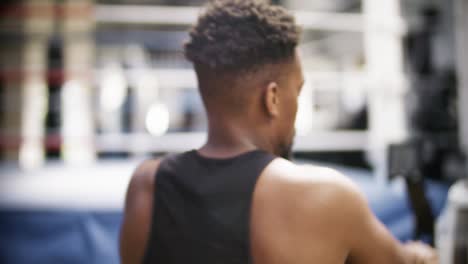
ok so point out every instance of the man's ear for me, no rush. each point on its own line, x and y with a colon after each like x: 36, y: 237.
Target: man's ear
x: 271, y: 99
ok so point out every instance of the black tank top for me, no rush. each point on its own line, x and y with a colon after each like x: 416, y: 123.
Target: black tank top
x: 201, y: 211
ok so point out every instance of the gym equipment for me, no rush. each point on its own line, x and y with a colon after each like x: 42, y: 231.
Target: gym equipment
x: 452, y: 227
x: 405, y: 162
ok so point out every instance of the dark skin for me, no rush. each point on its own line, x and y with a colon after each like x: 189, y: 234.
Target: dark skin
x: 300, y: 214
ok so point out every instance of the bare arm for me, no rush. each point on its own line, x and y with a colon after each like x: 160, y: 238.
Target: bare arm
x: 137, y: 215
x: 369, y: 239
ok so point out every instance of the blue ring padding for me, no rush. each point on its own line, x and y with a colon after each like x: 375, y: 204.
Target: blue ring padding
x: 58, y: 237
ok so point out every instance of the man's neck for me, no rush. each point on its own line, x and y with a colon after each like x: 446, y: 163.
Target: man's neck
x: 227, y: 140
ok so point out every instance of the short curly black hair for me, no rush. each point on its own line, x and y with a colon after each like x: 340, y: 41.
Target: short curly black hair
x: 242, y: 34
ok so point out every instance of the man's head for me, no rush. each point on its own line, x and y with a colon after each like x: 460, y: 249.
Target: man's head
x: 244, y: 53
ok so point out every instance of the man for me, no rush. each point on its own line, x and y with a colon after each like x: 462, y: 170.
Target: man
x: 235, y: 200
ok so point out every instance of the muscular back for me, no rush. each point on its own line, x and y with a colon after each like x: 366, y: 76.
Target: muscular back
x: 299, y: 214
x: 293, y: 217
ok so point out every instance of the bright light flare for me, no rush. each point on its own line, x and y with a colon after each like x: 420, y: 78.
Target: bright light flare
x: 157, y: 119
x: 304, y: 118
x: 113, y: 89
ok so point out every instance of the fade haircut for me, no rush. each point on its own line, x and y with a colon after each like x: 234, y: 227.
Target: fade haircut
x: 242, y: 35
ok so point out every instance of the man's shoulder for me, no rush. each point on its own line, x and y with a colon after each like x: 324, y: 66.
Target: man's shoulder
x: 315, y: 205
x: 322, y: 187
x: 289, y: 174
x: 137, y: 215
x: 143, y: 177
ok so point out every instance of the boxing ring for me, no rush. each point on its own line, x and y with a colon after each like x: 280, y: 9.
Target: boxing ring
x: 63, y: 214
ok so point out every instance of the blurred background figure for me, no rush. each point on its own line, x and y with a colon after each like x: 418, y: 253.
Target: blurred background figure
x: 88, y: 89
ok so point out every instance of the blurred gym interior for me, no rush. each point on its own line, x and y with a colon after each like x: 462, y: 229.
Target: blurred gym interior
x: 89, y: 89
